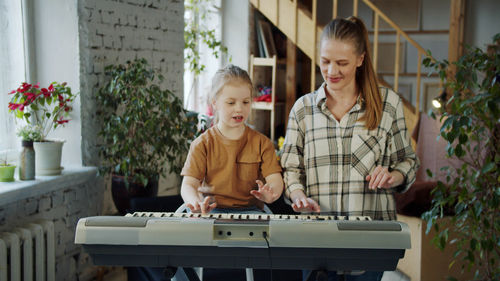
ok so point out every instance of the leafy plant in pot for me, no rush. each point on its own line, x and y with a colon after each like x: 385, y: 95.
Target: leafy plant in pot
x: 45, y: 109
x: 145, y: 131
x: 471, y: 128
x: 28, y: 135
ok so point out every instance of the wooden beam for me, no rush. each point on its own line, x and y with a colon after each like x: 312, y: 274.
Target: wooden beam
x: 355, y: 8
x: 419, y: 71
x: 396, y: 64
x: 375, y: 42
x: 291, y: 78
x: 456, y: 38
x: 315, y: 49
x: 335, y: 9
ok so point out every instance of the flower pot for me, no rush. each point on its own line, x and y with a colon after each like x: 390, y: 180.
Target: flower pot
x: 48, y: 158
x: 122, y: 194
x: 27, y: 161
x: 7, y: 173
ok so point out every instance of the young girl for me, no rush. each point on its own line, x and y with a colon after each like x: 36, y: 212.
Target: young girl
x: 347, y: 149
x: 229, y: 159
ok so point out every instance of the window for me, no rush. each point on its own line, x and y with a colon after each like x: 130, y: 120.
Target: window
x: 207, y: 16
x: 12, y: 72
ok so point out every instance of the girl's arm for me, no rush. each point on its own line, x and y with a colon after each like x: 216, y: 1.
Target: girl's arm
x: 193, y: 199
x: 270, y: 191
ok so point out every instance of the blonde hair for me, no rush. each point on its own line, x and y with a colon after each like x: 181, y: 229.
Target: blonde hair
x: 353, y: 30
x: 231, y: 74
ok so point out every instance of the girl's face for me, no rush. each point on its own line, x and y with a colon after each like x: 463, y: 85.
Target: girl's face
x: 338, y: 64
x: 233, y: 104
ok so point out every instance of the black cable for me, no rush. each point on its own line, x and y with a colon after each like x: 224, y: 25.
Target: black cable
x: 264, y: 234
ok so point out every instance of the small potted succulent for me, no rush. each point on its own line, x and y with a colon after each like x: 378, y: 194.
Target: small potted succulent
x: 45, y: 109
x: 6, y: 170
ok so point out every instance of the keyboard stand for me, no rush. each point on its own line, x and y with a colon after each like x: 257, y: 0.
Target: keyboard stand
x: 170, y: 271
x: 322, y: 274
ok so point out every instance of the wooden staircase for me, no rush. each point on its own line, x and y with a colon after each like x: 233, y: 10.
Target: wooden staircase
x: 296, y: 22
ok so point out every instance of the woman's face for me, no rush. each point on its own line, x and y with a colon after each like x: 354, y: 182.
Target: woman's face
x: 338, y: 64
x: 233, y: 104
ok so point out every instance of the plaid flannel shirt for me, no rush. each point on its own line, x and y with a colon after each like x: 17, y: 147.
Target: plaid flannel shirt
x: 329, y: 160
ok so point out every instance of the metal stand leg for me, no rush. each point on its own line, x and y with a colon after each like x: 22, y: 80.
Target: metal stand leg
x: 169, y: 272
x: 191, y: 274
x: 318, y: 275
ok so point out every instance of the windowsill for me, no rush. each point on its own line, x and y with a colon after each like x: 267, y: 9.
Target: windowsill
x: 19, y: 190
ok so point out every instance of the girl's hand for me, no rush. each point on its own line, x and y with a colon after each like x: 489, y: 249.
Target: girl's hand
x: 382, y: 178
x: 204, y: 206
x: 301, y: 203
x: 264, y: 193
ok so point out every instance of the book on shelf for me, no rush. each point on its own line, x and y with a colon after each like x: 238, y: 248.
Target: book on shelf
x: 267, y: 38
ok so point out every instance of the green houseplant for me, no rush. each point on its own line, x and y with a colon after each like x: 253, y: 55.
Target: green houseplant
x: 145, y: 130
x: 28, y: 134
x: 44, y: 110
x: 471, y: 128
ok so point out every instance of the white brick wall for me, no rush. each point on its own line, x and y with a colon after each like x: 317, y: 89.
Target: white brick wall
x: 62, y: 201
x: 116, y: 31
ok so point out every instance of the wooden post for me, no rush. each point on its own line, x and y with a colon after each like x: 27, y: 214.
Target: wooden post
x: 419, y: 70
x: 456, y: 39
x: 355, y: 8
x: 396, y: 63
x: 335, y: 9
x: 313, y: 59
x: 375, y: 42
x: 291, y: 78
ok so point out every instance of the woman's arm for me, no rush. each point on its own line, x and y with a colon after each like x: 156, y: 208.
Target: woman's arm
x: 301, y: 203
x: 292, y: 159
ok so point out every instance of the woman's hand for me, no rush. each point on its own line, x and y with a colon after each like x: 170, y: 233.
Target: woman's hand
x: 265, y: 193
x: 382, y: 178
x: 204, y: 206
x: 302, y: 203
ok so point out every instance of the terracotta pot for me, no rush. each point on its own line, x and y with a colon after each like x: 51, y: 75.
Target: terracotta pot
x: 122, y: 195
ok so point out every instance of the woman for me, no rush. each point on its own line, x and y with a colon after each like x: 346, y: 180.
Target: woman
x: 347, y: 148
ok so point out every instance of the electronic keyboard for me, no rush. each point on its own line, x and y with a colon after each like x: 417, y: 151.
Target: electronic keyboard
x: 262, y: 241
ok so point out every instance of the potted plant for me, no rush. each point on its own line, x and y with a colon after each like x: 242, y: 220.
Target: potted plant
x: 45, y: 109
x: 471, y: 128
x: 6, y: 170
x: 28, y: 135
x: 145, y: 131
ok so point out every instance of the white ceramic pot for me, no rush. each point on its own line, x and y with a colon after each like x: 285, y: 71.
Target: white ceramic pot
x: 48, y: 158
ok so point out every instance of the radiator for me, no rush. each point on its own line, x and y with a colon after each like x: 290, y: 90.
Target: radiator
x: 28, y: 253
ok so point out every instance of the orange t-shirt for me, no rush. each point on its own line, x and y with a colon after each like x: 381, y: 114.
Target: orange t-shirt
x: 231, y: 166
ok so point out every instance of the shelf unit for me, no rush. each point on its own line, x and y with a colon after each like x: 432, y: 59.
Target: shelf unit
x: 268, y: 106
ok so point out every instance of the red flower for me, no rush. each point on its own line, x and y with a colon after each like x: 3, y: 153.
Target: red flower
x: 13, y: 92
x: 51, y: 88
x: 45, y: 92
x: 61, y: 121
x: 13, y: 106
